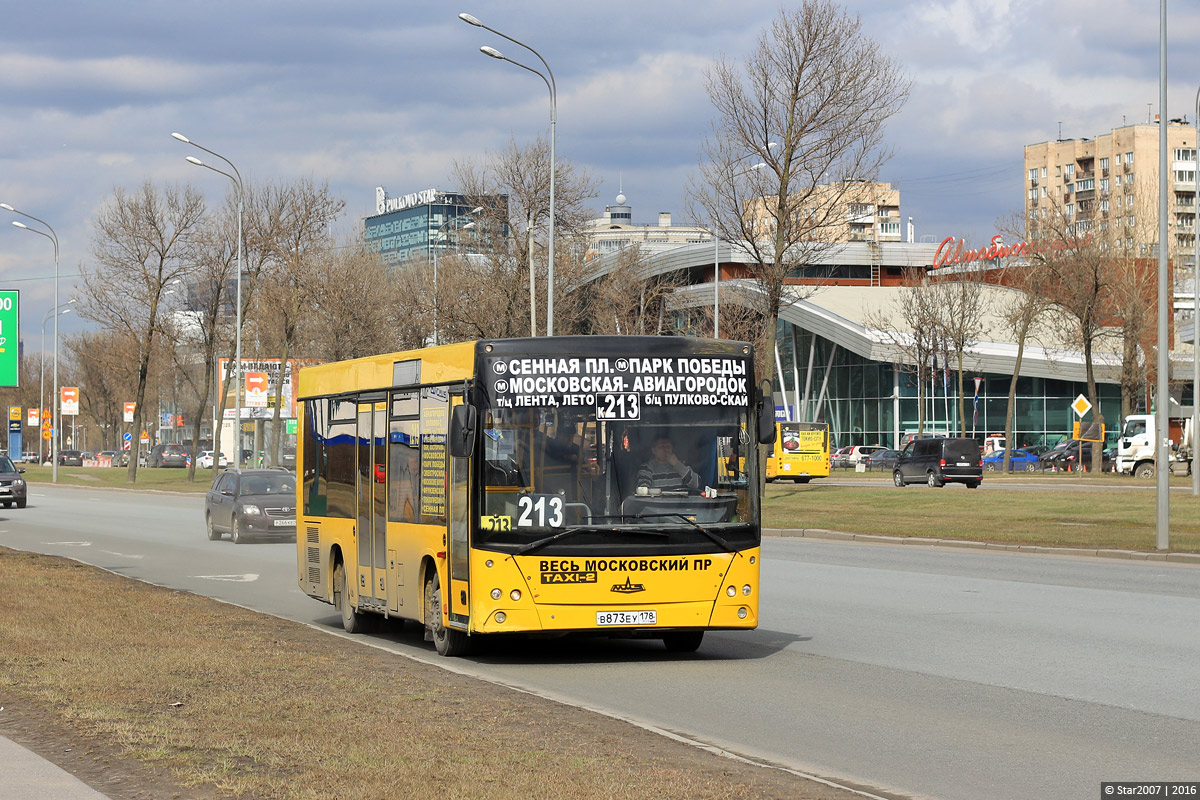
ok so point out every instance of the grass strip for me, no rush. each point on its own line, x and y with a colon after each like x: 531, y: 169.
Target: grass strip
x: 1055, y: 512
x: 255, y: 706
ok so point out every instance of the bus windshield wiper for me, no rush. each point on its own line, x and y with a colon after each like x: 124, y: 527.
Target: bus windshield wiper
x: 717, y: 539
x: 564, y: 533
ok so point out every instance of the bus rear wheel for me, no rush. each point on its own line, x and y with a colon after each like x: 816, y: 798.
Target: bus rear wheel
x: 352, y: 621
x: 683, y: 641
x: 446, y: 641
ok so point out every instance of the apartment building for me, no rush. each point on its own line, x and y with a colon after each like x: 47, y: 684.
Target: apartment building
x: 850, y: 211
x: 1108, y: 186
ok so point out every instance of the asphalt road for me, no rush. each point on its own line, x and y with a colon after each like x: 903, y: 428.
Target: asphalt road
x: 923, y: 672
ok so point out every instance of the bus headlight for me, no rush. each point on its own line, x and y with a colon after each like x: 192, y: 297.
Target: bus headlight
x: 743, y: 613
x: 732, y: 592
x: 515, y: 595
x: 501, y: 616
x: 746, y: 589
x: 497, y: 594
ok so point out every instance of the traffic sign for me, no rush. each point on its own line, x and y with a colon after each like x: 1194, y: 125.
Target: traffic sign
x: 126, y: 437
x: 1081, y: 406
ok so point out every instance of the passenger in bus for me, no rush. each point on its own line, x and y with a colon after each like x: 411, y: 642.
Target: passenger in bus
x: 664, y: 470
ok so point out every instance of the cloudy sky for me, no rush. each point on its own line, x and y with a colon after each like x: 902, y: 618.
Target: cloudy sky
x: 364, y: 93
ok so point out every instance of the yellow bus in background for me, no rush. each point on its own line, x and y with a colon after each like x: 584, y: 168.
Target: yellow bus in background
x: 496, y: 487
x: 801, y: 452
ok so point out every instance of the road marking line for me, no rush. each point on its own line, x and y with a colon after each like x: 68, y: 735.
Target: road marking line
x: 69, y: 544
x: 247, y: 578
x: 122, y: 555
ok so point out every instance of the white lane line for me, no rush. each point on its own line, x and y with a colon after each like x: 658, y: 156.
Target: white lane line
x: 68, y: 544
x: 247, y: 578
x: 122, y: 555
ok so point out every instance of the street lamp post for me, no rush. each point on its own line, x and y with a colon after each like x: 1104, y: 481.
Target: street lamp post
x: 1196, y: 306
x: 63, y: 309
x: 53, y: 237
x: 550, y: 84
x: 237, y: 356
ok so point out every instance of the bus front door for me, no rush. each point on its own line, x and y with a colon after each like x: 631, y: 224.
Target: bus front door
x: 372, y: 504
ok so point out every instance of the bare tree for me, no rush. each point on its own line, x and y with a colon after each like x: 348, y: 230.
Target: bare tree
x: 958, y: 306
x: 297, y: 235
x: 910, y: 325
x: 809, y: 105
x: 512, y: 234
x: 200, y: 324
x: 142, y: 244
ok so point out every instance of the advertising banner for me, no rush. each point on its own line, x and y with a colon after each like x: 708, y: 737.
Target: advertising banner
x: 256, y: 390
x: 129, y: 409
x: 70, y: 401
x: 9, y: 326
x: 271, y: 368
x: 33, y: 417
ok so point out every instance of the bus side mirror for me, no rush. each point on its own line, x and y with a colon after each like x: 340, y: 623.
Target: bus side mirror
x: 766, y: 414
x: 462, y: 431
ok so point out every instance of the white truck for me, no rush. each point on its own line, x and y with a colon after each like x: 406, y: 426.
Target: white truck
x: 1136, y: 447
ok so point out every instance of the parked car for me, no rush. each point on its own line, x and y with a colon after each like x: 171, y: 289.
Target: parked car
x: 12, y: 486
x: 288, y: 458
x: 168, y: 455
x: 838, y: 457
x: 251, y: 503
x: 1019, y: 460
x: 881, y: 459
x: 112, y: 455
x: 205, y: 460
x: 30, y: 457
x: 1070, y: 460
x: 70, y: 458
x: 937, y: 462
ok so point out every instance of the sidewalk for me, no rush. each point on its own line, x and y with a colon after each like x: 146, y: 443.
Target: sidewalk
x: 24, y: 775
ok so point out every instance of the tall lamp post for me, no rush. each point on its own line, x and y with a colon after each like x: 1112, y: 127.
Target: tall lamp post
x: 550, y: 84
x: 63, y: 309
x: 237, y: 348
x: 53, y: 237
x: 1196, y: 306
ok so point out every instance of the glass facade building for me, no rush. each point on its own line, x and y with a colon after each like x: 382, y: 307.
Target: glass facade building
x: 870, y: 402
x: 411, y: 227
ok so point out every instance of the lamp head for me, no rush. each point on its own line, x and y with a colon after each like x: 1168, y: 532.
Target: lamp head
x: 196, y: 161
x: 477, y: 209
x: 181, y: 138
x: 7, y: 207
x: 20, y: 224
x: 470, y: 20
x: 491, y: 51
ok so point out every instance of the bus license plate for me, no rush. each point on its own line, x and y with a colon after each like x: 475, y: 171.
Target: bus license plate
x: 626, y: 617
x: 285, y: 523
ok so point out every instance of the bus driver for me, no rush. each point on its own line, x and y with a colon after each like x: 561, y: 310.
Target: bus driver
x: 664, y: 470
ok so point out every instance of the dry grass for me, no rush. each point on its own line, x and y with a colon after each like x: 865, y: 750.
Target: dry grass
x: 1057, y: 513
x: 252, y: 706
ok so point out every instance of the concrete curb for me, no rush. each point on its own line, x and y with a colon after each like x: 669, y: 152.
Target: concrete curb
x: 1192, y: 559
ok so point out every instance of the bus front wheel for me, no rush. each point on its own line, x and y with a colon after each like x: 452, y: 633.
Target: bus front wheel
x: 448, y: 642
x: 683, y: 641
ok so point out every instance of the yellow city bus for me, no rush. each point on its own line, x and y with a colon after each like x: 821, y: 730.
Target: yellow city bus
x: 801, y: 452
x: 499, y: 487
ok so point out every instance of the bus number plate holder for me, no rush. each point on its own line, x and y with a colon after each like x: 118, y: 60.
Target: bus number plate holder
x: 626, y: 618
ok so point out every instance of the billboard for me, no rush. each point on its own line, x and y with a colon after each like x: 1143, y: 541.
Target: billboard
x: 9, y: 334
x: 261, y: 376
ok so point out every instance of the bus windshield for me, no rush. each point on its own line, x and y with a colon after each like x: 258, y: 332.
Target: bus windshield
x: 640, y: 466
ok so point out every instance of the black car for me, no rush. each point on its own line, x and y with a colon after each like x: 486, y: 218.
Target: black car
x: 13, y: 488
x: 937, y: 462
x: 251, y: 503
x: 168, y: 455
x: 70, y: 458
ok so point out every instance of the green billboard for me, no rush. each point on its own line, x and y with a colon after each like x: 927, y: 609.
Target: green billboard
x: 10, y: 328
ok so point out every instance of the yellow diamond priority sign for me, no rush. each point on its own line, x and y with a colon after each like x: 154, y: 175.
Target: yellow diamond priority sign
x: 1081, y: 406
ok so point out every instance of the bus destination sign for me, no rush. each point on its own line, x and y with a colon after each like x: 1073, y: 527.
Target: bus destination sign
x: 618, y: 388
